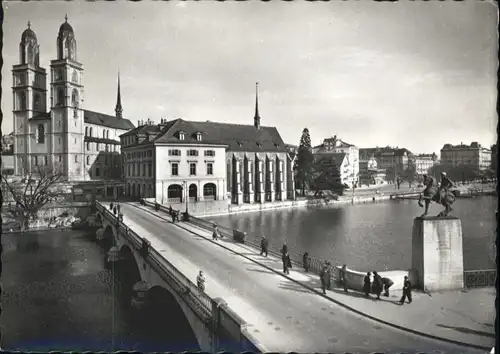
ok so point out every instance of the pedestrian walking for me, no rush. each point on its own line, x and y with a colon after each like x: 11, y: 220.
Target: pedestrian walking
x: 284, y: 248
x: 322, y: 278
x: 114, y: 210
x: 343, y: 278
x: 367, y: 284
x: 118, y: 207
x: 328, y: 275
x: 406, y: 291
x: 377, y: 285
x: 306, y: 262
x: 215, y: 233
x: 264, y: 244
x: 387, y: 284
x: 200, y: 281
x: 286, y: 262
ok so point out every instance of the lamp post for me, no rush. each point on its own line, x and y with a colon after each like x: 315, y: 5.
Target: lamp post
x: 187, y: 201
x: 162, y: 191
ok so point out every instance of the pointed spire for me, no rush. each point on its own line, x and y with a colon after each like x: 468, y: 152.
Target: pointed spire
x: 66, y: 18
x: 29, y: 24
x: 118, y: 109
x: 256, y: 119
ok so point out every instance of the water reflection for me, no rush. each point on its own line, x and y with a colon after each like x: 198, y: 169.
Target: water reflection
x: 369, y: 236
x: 58, y: 296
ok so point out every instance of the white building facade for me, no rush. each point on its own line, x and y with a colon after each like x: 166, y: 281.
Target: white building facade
x: 473, y: 155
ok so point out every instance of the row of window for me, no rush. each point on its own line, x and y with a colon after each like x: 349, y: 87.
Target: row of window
x: 135, y: 170
x: 107, y: 147
x: 177, y: 152
x: 174, y: 169
x: 59, y: 75
x: 139, y: 154
x: 106, y: 159
x: 105, y: 133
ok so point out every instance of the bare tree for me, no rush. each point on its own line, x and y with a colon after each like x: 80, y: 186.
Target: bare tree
x: 40, y: 187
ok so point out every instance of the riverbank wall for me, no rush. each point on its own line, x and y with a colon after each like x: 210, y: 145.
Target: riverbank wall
x: 47, y: 215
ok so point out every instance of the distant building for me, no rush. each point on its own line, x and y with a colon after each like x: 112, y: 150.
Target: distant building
x: 349, y: 162
x: 494, y: 157
x: 339, y: 160
x: 395, y: 161
x: 473, y: 155
x: 423, y: 162
x: 369, y: 173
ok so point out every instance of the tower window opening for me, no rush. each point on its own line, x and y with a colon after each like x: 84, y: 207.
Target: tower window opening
x: 41, y: 134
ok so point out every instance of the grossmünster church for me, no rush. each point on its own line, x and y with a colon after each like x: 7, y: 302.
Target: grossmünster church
x: 51, y: 126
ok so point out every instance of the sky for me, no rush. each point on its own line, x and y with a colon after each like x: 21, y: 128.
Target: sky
x: 407, y: 74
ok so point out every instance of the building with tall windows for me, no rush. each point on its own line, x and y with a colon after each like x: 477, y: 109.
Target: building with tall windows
x: 182, y: 160
x: 57, y: 131
x: 473, y: 155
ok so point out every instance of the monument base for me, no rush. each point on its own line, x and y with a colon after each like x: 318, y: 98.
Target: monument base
x: 437, y: 253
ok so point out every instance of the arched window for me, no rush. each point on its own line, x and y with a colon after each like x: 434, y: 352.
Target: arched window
x: 22, y: 100
x: 107, y: 134
x: 88, y: 146
x: 104, y: 133
x: 88, y: 160
x: 60, y: 96
x: 86, y: 131
x: 30, y: 54
x: 74, y: 98
x: 41, y: 134
x: 90, y: 131
x: 74, y: 77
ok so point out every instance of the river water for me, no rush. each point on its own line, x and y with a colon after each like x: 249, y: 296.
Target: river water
x: 375, y: 236
x: 57, y: 295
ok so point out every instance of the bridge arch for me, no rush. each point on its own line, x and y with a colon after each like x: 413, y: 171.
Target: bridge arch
x: 163, y: 307
x: 108, y: 240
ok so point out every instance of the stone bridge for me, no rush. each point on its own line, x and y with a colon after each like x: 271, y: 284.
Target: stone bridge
x: 151, y: 276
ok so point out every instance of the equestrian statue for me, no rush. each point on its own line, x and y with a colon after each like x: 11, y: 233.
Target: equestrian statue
x: 440, y: 194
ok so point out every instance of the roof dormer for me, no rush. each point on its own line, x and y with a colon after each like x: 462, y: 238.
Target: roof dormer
x: 199, y: 136
x: 182, y: 135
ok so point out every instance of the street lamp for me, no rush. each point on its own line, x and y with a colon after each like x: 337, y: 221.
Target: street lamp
x: 187, y: 201
x: 162, y: 188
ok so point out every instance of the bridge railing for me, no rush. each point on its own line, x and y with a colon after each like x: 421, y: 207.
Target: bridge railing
x: 181, y: 284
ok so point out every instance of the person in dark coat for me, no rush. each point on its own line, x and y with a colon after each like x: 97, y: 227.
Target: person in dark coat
x: 377, y: 285
x: 284, y: 248
x: 387, y: 284
x: 306, y: 262
x: 118, y: 208
x: 328, y: 276
x: 322, y: 277
x: 264, y: 244
x: 343, y: 278
x: 406, y: 291
x: 367, y: 284
x: 286, y: 262
x: 114, y: 210
x: 215, y: 233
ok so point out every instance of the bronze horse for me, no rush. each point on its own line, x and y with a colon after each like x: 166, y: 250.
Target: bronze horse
x: 432, y: 193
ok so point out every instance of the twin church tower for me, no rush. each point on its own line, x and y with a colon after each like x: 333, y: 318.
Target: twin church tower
x: 65, y: 137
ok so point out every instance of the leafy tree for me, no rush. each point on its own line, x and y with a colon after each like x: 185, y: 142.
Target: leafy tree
x: 390, y: 174
x: 304, y: 161
x: 465, y: 172
x: 327, y: 177
x: 410, y: 174
x: 40, y: 187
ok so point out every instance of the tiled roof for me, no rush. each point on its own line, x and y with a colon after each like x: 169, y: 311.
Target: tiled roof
x: 384, y: 150
x: 237, y: 137
x: 92, y: 139
x: 106, y: 120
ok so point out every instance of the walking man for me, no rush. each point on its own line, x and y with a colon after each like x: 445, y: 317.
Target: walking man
x: 367, y: 284
x: 306, y: 262
x: 322, y: 278
x: 264, y: 243
x: 406, y: 291
x: 215, y: 233
x: 343, y: 279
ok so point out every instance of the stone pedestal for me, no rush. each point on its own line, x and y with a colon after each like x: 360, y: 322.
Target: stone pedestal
x: 437, y: 253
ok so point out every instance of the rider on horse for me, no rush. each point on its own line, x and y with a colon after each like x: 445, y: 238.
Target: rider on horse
x: 446, y: 183
x: 439, y: 194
